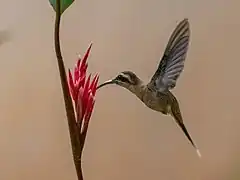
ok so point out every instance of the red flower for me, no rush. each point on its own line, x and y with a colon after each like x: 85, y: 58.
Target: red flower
x: 83, y: 90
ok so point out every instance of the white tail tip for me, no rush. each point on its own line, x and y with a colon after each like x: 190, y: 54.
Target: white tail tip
x: 198, y: 152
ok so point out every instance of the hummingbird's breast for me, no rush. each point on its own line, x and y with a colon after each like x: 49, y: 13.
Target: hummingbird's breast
x: 157, y: 101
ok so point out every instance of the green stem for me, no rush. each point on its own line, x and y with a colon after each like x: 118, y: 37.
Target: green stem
x: 73, y: 129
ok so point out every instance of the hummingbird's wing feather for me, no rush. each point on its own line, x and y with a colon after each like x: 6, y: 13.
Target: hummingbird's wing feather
x: 172, y: 62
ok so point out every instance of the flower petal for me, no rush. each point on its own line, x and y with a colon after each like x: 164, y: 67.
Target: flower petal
x: 88, y: 113
x: 83, y: 71
x: 71, y: 85
x: 85, y: 94
x: 93, y: 82
x: 81, y: 82
x: 78, y: 62
x: 89, y: 109
x: 79, y: 106
x: 87, y: 54
x: 94, y: 88
x: 76, y: 74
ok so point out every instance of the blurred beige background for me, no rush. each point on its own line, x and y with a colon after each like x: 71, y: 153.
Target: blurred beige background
x: 123, y: 142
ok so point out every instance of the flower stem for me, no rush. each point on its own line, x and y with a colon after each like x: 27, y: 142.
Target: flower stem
x: 73, y: 129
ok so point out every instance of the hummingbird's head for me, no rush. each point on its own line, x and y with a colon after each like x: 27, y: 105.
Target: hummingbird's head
x: 126, y: 79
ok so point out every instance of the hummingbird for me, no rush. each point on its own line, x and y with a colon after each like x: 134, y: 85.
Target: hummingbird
x: 157, y: 93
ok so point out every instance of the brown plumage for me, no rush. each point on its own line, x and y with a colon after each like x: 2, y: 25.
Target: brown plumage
x: 156, y: 94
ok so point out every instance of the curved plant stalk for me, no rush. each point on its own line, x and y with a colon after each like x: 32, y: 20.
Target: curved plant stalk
x: 73, y: 129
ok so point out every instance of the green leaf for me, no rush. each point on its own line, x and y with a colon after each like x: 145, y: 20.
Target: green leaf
x: 64, y: 4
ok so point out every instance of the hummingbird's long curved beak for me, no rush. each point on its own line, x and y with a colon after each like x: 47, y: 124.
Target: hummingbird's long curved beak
x: 113, y: 81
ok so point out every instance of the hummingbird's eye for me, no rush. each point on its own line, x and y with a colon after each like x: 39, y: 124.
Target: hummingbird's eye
x: 123, y: 79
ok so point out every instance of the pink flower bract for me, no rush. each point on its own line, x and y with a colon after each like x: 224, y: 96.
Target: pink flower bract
x: 82, y: 88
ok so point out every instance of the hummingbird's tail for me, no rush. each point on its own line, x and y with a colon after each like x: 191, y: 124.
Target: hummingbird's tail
x: 184, y: 129
x: 175, y: 112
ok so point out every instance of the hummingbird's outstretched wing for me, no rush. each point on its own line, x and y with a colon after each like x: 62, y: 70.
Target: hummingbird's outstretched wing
x: 172, y: 62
